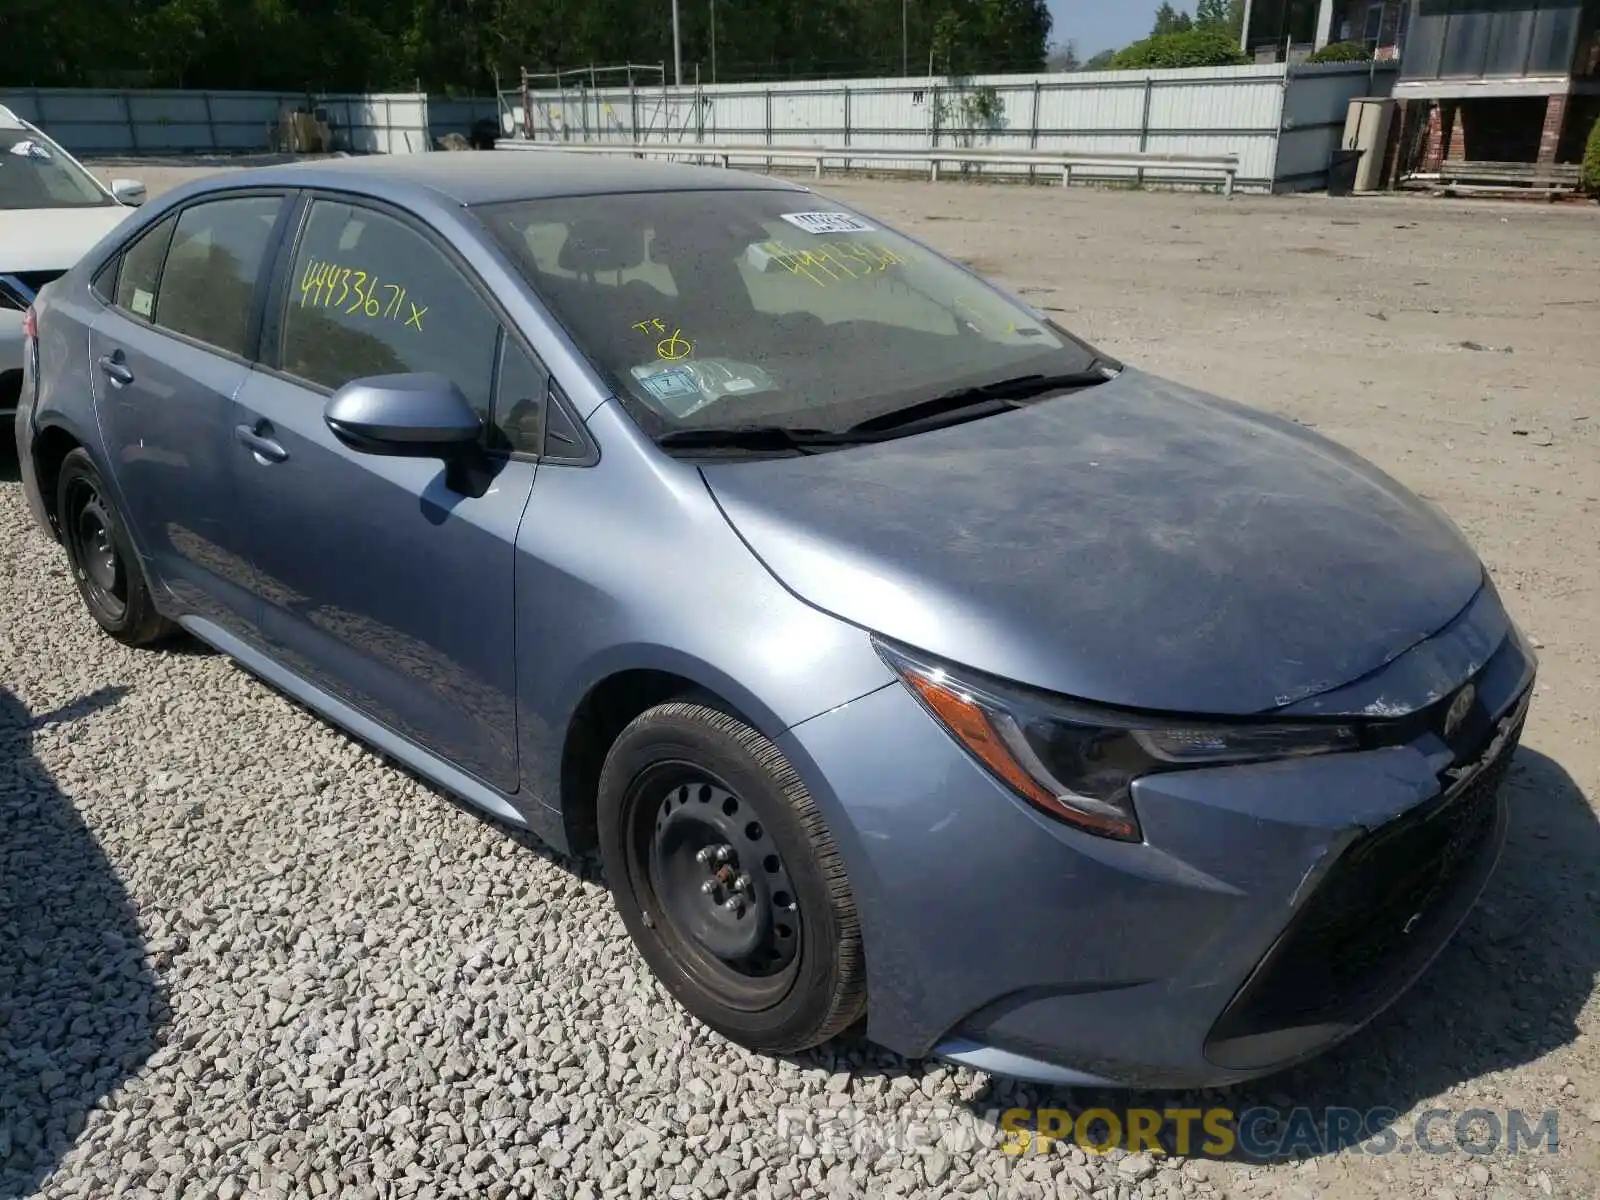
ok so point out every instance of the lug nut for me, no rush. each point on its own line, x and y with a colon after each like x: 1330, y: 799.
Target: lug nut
x: 704, y: 856
x: 741, y: 884
x: 734, y: 905
x: 708, y: 886
x: 724, y: 853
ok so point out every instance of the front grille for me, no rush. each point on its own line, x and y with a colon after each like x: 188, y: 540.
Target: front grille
x: 1378, y: 916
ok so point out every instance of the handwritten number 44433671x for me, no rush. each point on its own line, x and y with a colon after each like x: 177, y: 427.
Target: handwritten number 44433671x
x: 358, y: 293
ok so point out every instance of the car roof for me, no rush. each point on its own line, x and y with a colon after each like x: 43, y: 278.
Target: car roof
x: 483, y: 177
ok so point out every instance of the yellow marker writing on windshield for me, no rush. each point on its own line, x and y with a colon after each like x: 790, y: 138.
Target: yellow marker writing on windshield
x: 674, y: 347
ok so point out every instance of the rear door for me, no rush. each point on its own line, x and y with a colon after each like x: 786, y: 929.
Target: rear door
x: 381, y: 583
x: 167, y: 356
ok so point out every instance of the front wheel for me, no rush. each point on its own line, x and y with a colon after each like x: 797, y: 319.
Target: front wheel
x: 104, y: 564
x: 728, y: 880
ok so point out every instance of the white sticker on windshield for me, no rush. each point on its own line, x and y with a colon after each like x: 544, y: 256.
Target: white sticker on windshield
x: 28, y: 148
x: 827, y: 222
x: 143, y: 302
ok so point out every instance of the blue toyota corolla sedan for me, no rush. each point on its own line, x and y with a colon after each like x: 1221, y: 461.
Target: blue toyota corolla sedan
x: 903, y: 657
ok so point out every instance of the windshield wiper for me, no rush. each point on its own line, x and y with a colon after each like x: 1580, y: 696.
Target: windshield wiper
x: 972, y: 403
x: 754, y: 437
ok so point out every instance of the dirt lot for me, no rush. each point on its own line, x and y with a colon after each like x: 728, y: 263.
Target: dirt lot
x: 1458, y: 346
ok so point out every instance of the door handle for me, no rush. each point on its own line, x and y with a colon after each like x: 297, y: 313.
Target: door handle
x: 115, y: 370
x: 265, y: 448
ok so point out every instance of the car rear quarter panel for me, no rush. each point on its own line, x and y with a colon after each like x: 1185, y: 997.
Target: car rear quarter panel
x: 64, y: 398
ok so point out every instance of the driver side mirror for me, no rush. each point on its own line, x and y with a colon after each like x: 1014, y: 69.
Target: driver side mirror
x: 128, y: 191
x: 420, y: 415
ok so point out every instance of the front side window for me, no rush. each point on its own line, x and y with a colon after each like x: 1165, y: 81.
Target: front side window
x: 208, y: 284
x: 770, y: 307
x: 369, y: 295
x: 36, y: 173
x: 520, y: 400
x: 141, y: 270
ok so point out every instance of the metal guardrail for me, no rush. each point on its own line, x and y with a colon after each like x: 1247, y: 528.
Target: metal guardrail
x: 1176, y: 167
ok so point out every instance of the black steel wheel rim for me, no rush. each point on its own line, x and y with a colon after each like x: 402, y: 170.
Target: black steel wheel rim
x: 710, y: 875
x: 90, y: 530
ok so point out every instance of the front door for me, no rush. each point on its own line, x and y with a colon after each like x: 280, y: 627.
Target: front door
x: 166, y: 359
x: 379, y: 583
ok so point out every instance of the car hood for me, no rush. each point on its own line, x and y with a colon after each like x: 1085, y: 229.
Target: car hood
x: 1136, y: 544
x: 53, y: 239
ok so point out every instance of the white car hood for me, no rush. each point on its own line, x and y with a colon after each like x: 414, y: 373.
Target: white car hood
x: 53, y: 239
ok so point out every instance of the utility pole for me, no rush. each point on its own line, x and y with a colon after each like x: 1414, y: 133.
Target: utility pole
x: 677, y: 47
x: 713, y: 41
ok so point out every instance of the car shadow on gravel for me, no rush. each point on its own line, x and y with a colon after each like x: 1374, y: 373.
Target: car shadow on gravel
x: 79, y: 1005
x: 1507, y: 990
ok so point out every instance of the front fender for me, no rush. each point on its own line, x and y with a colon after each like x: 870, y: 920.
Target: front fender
x: 629, y: 565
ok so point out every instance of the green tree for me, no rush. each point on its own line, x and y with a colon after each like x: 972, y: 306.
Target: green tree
x: 1170, y: 20
x: 1220, y: 14
x: 1063, y: 56
x: 1591, y: 160
x: 1342, y: 52
x: 457, y: 45
x: 1193, y: 48
x: 1101, y: 61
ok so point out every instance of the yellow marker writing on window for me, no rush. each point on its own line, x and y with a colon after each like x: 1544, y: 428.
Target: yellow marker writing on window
x: 674, y: 347
x: 354, y: 292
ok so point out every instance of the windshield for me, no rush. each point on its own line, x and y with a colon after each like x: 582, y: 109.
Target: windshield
x: 774, y: 308
x: 34, y: 173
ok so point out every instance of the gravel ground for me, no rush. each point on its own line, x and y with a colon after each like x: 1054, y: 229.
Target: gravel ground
x: 240, y: 955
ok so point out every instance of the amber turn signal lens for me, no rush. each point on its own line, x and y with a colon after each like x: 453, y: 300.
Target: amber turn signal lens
x: 965, y: 718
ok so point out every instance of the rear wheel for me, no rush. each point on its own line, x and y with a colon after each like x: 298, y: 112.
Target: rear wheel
x: 728, y: 880
x: 104, y: 563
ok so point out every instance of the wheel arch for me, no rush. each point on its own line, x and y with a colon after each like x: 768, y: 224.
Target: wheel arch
x: 606, y: 709
x: 49, y: 450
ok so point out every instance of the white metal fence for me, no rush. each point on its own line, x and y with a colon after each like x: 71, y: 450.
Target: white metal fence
x: 101, y: 121
x: 1281, y: 122
x: 1210, y: 111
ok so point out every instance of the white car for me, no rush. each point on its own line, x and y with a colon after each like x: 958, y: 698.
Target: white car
x: 51, y: 212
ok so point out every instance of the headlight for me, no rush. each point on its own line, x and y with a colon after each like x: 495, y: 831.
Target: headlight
x: 1078, y: 763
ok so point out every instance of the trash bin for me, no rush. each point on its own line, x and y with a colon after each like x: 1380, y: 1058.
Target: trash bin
x: 1342, y: 169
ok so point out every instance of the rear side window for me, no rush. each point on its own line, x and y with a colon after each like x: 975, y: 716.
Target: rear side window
x: 368, y: 295
x: 208, y: 285
x: 141, y: 269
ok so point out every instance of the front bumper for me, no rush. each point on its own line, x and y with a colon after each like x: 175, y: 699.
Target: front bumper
x: 999, y: 938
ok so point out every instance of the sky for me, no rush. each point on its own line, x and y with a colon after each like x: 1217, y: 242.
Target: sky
x: 1104, y: 24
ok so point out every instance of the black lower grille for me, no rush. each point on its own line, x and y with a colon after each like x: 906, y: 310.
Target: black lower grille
x: 1381, y: 912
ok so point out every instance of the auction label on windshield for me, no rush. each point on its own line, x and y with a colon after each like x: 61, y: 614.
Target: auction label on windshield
x: 827, y: 222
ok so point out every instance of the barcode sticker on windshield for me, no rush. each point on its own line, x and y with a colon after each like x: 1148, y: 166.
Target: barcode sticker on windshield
x: 827, y: 222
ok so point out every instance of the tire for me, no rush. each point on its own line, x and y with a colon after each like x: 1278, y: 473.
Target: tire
x: 104, y: 564
x: 783, y: 969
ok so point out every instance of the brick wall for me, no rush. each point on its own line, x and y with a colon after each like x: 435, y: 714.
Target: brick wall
x: 1456, y: 118
x: 1555, y: 116
x: 1433, y: 151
